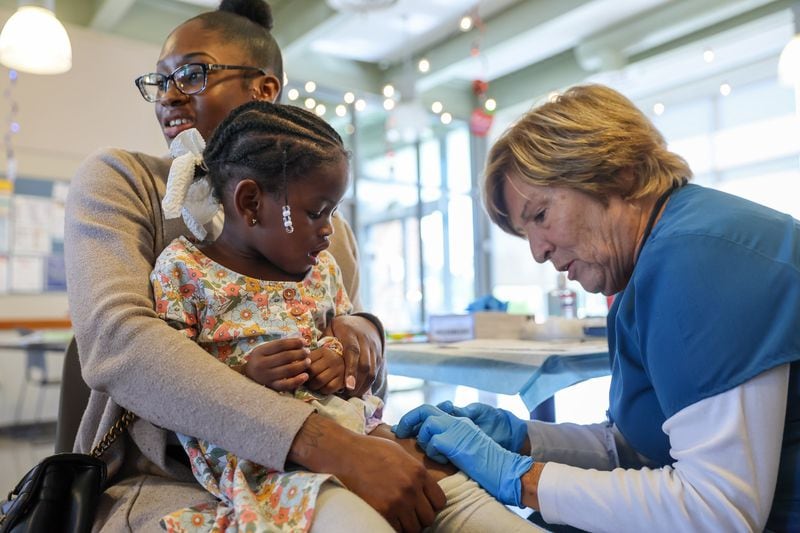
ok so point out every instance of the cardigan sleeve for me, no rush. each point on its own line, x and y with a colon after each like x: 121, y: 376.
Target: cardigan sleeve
x: 344, y: 250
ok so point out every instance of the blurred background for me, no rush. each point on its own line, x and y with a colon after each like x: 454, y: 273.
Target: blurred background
x: 419, y: 89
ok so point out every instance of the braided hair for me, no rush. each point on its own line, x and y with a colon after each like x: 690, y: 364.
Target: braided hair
x: 248, y: 23
x: 271, y: 144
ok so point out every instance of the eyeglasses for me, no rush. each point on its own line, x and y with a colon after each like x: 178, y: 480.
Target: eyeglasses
x: 188, y: 79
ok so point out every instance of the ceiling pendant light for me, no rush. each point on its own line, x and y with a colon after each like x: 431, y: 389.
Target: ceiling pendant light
x: 34, y: 41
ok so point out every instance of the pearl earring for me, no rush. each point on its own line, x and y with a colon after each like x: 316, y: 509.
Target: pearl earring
x: 287, y: 211
x: 287, y: 219
x: 253, y: 221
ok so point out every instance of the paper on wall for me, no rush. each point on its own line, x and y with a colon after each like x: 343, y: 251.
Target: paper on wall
x: 27, y: 274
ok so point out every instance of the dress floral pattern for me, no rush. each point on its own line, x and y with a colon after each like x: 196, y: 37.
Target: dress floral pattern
x: 229, y: 314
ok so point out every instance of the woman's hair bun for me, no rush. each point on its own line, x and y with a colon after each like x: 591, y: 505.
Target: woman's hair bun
x: 256, y: 10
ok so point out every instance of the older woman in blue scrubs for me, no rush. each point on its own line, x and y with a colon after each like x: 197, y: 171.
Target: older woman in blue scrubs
x: 704, y: 335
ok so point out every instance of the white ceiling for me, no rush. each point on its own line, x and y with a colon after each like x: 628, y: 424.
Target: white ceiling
x: 527, y: 47
x: 530, y: 47
x: 406, y: 27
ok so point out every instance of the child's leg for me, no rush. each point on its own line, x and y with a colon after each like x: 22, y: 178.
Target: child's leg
x: 470, y: 509
x: 340, y: 511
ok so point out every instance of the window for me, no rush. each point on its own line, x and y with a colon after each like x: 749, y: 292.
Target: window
x: 415, y: 216
x: 744, y: 143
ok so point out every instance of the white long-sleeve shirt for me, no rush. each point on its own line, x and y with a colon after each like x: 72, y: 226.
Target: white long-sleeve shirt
x: 726, y: 450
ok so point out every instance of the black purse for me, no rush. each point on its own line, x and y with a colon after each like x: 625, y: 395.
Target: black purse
x: 61, y: 493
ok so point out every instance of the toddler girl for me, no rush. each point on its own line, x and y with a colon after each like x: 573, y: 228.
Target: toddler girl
x: 280, y: 173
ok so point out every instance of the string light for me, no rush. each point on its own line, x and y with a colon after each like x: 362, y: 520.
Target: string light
x: 341, y: 110
x: 446, y: 118
x: 349, y: 97
x: 708, y: 55
x: 424, y: 65
x: 490, y: 104
x: 361, y: 104
x: 466, y: 23
x: 725, y: 89
x: 320, y: 110
x: 437, y: 107
x: 310, y: 103
x: 658, y: 108
x: 311, y: 87
x: 388, y: 104
x: 293, y: 94
x: 388, y: 90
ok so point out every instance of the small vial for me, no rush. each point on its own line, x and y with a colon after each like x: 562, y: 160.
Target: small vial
x: 562, y: 301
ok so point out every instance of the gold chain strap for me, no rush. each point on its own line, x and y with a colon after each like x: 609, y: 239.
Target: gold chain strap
x: 117, y: 429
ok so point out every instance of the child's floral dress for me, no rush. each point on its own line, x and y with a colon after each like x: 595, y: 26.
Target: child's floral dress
x: 228, y: 314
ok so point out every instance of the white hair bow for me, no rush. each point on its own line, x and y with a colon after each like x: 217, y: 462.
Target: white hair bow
x: 189, y: 197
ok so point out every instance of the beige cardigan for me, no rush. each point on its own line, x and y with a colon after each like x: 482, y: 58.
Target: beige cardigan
x: 130, y: 358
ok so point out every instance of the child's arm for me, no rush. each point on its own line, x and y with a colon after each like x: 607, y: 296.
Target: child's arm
x: 281, y: 365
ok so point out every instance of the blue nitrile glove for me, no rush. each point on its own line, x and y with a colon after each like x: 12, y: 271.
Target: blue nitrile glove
x: 494, y: 468
x: 503, y: 427
x: 487, y: 303
x: 411, y: 421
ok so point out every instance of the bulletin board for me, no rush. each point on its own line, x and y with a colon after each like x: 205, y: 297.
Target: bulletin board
x: 32, y: 235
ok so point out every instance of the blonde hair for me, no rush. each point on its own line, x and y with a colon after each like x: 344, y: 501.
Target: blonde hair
x: 583, y: 139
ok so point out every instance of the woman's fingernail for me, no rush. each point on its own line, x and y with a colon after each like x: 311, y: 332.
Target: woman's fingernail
x: 350, y: 382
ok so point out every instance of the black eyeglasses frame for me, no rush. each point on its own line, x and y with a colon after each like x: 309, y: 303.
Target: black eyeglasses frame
x: 163, y: 85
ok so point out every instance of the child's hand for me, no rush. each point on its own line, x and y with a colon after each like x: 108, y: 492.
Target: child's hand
x: 327, y: 368
x: 281, y: 365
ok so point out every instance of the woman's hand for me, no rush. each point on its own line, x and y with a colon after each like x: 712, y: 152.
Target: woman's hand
x: 463, y: 443
x: 502, y: 426
x: 362, y: 351
x: 281, y: 365
x: 409, y: 423
x: 326, y: 370
x: 378, y: 470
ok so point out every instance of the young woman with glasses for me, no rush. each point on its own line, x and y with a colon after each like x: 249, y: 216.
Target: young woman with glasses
x: 131, y: 359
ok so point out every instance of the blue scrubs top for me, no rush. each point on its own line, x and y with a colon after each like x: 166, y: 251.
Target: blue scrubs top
x: 714, y: 300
